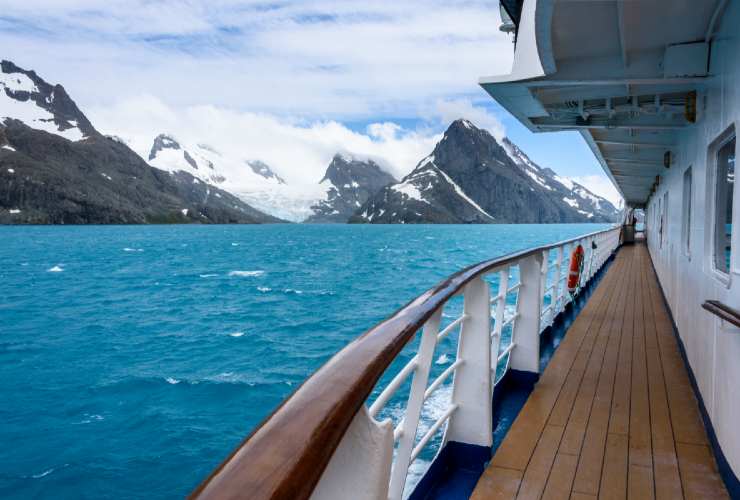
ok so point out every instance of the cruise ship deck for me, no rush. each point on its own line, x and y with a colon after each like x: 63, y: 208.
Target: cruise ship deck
x: 614, y: 414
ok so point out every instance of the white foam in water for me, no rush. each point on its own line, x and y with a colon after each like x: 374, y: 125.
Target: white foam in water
x: 127, y: 249
x: 292, y: 290
x: 443, y: 359
x: 172, y: 381
x: 246, y: 274
x: 208, y: 275
x: 236, y: 334
x: 235, y: 244
x: 55, y: 269
x: 264, y: 289
x: 43, y: 474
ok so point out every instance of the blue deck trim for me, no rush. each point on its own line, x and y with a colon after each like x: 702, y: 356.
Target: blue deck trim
x: 457, y: 467
x: 725, y: 470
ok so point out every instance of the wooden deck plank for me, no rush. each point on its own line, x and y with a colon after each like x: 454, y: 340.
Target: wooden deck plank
x: 614, y: 415
x: 561, y: 477
x: 699, y: 472
x: 538, y: 469
x: 497, y: 483
x: 665, y: 462
x: 614, y: 473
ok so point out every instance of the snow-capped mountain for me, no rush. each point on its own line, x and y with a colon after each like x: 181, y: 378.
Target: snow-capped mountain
x: 253, y: 181
x: 471, y: 178
x: 348, y: 183
x: 55, y: 168
x: 24, y: 96
x: 576, y: 195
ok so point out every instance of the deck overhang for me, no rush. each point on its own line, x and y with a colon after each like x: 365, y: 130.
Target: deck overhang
x: 627, y: 75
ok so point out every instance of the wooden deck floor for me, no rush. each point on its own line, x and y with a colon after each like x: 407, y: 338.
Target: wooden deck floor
x: 614, y: 414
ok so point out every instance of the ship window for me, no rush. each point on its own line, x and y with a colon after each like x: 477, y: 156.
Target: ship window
x: 724, y: 183
x: 686, y: 212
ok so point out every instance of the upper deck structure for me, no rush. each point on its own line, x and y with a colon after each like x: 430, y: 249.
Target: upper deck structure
x: 626, y: 74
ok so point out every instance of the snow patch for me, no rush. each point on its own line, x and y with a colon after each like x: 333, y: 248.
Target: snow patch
x: 409, y: 190
x: 571, y: 201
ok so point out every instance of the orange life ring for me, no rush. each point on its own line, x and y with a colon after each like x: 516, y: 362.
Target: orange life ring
x: 576, y: 263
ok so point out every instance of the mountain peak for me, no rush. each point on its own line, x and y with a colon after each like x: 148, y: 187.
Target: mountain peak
x: 462, y: 123
x: 162, y: 142
x: 26, y: 97
x: 349, y: 182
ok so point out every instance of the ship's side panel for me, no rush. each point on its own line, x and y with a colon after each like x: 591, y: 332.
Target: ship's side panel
x: 688, y: 274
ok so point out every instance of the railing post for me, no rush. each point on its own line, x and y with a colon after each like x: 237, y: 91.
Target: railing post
x: 526, y: 355
x: 472, y: 386
x: 413, y: 407
x: 361, y: 463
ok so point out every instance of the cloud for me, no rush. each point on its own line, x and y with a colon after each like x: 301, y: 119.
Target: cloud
x: 298, y: 150
x: 325, y: 59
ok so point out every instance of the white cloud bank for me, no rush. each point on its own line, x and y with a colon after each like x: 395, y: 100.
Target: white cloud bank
x: 298, y: 150
x: 323, y: 59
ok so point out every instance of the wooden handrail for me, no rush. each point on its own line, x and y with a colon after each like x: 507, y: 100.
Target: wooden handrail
x: 723, y: 311
x: 285, y: 456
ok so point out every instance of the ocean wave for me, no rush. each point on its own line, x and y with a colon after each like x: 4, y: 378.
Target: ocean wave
x: 128, y: 249
x: 89, y: 418
x: 293, y: 291
x: 208, y: 275
x: 443, y: 359
x: 172, y: 381
x: 264, y: 289
x: 235, y: 244
x: 236, y: 334
x: 246, y: 274
x: 43, y: 474
x: 55, y: 269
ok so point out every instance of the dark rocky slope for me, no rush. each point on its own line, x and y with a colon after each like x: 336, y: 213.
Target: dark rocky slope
x: 349, y: 183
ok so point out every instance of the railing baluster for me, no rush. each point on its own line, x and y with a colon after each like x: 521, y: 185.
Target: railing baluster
x: 498, y: 325
x: 414, y: 405
x: 554, y: 293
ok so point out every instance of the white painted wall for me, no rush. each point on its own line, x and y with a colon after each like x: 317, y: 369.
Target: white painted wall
x: 713, y: 348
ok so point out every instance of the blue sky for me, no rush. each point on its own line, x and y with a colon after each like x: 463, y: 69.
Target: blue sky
x: 276, y: 76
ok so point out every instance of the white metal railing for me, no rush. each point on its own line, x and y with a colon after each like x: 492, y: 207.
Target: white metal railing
x: 537, y: 297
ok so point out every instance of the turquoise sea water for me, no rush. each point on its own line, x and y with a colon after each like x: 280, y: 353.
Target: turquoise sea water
x: 133, y: 359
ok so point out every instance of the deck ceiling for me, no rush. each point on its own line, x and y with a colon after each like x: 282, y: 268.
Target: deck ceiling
x: 611, y: 81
